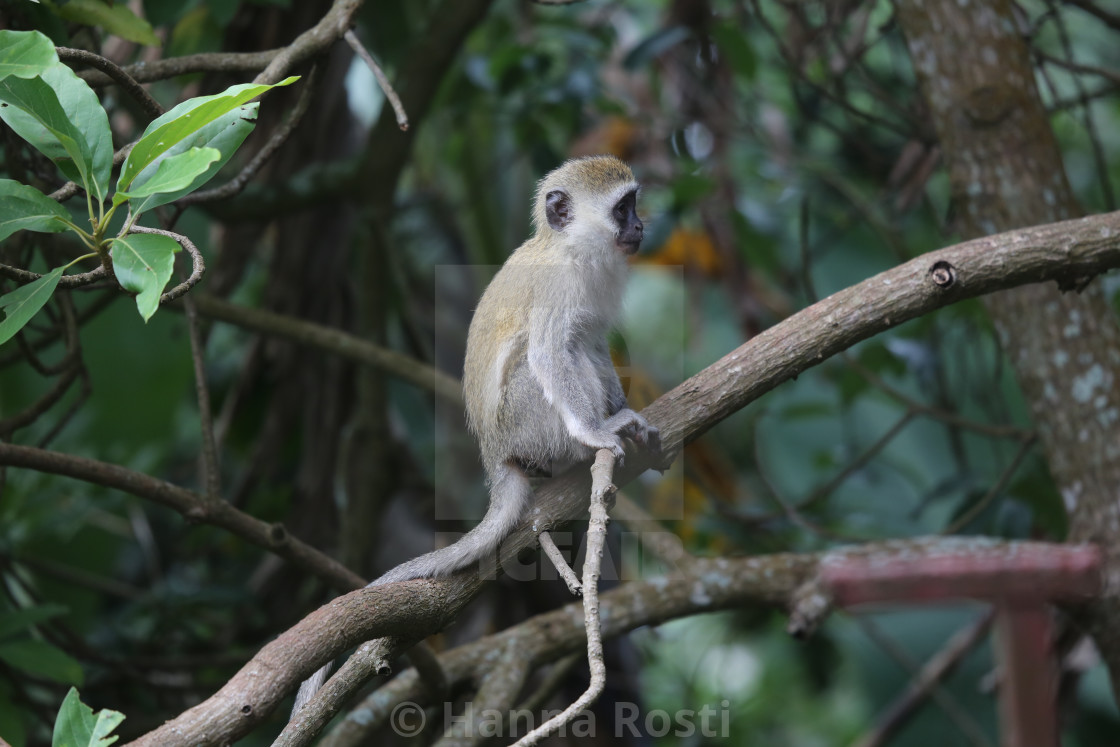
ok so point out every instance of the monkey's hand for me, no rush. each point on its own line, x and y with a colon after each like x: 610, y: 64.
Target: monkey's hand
x: 603, y: 438
x: 630, y: 424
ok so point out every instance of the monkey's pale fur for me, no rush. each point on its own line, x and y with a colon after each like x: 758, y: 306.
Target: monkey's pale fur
x: 540, y: 389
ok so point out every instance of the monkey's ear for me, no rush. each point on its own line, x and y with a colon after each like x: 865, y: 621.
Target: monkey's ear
x: 558, y: 209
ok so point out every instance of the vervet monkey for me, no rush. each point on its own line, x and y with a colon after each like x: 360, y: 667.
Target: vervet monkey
x: 540, y: 389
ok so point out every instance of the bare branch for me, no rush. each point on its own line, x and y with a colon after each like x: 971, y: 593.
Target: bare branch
x: 335, y: 341
x: 114, y: 71
x: 601, y: 488
x: 382, y: 80
x: 272, y: 537
x: 552, y: 552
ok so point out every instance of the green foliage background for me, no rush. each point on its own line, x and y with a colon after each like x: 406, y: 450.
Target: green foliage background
x: 147, y: 613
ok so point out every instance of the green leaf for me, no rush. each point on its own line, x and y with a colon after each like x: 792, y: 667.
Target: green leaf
x: 143, y: 264
x: 116, y: 18
x: 173, y: 174
x: 226, y: 134
x: 28, y: 209
x: 31, y: 108
x: 20, y: 620
x: 25, y: 54
x: 61, y: 116
x: 41, y: 659
x: 184, y: 121
x: 24, y: 302
x: 78, y: 726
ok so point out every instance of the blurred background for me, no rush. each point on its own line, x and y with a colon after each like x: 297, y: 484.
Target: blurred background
x: 785, y: 152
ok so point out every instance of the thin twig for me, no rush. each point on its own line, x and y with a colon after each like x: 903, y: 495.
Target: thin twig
x: 653, y: 535
x: 935, y: 670
x: 961, y: 718
x: 272, y: 537
x: 66, y: 281
x: 993, y: 492
x: 552, y: 552
x: 334, y: 341
x: 920, y: 408
x: 211, y: 477
x: 1087, y: 112
x: 131, y: 86
x: 70, y: 367
x: 382, y: 80
x: 1110, y: 19
x: 602, y: 472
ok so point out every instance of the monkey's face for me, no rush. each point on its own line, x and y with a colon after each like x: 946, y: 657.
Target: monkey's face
x: 625, y: 214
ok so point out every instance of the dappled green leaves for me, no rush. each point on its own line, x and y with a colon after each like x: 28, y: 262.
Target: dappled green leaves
x: 183, y: 122
x: 59, y: 115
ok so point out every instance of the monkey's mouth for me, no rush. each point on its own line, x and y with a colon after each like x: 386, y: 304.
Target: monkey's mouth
x: 629, y: 247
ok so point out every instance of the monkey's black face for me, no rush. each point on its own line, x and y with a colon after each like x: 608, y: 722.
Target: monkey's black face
x: 630, y: 227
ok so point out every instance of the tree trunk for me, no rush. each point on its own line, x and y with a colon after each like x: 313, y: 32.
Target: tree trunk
x: 1006, y: 172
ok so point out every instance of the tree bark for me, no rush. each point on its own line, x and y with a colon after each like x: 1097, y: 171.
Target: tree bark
x: 1006, y: 172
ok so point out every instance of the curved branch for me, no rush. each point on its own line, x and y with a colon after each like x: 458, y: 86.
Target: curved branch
x: 66, y: 281
x: 205, y: 62
x: 382, y: 79
x: 131, y: 86
x: 272, y: 537
x: 411, y: 608
x: 326, y: 32
x: 198, y: 265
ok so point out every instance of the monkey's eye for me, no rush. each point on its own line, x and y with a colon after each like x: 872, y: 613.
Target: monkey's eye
x: 621, y: 211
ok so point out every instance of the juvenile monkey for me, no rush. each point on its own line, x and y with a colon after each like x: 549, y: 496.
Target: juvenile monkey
x: 540, y: 389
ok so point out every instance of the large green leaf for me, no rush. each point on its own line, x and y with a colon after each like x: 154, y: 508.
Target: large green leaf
x: 78, y: 726
x: 25, y: 54
x: 28, y: 209
x: 114, y: 17
x: 174, y: 173
x: 143, y: 264
x: 42, y: 660
x: 33, y: 111
x: 24, y: 302
x: 226, y: 134
x: 54, y: 108
x: 184, y: 121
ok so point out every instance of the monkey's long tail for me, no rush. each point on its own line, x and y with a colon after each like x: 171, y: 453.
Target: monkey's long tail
x: 509, y: 494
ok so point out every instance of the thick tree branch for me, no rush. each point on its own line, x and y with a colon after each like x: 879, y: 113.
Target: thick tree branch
x: 1077, y: 248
